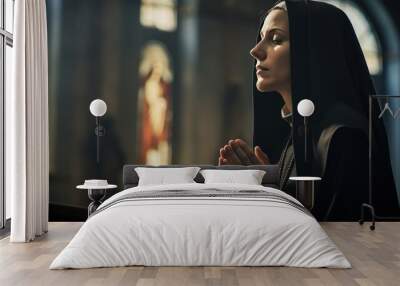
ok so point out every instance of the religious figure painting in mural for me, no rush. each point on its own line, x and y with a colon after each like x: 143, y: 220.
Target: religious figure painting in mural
x: 155, y: 112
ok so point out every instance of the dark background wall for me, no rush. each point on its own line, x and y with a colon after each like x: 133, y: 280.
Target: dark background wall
x: 94, y: 52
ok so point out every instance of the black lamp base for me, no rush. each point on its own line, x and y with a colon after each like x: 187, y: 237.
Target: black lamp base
x: 305, y: 193
x: 96, y: 197
x: 371, y: 208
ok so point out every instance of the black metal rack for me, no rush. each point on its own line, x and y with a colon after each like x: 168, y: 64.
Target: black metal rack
x: 369, y: 205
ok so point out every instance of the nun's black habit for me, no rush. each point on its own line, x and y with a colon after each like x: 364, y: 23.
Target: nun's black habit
x: 327, y: 67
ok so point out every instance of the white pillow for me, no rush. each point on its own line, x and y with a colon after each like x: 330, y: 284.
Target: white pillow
x: 162, y: 176
x: 248, y: 177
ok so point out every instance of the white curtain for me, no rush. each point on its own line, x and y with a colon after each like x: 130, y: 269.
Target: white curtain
x: 27, y: 147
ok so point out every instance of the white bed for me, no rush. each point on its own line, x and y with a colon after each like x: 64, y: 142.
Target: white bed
x: 206, y: 230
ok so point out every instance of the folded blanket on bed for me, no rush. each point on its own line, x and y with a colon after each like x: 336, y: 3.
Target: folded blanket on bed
x: 201, y: 224
x: 205, y: 193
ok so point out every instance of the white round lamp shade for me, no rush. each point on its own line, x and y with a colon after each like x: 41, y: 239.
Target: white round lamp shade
x: 98, y: 107
x: 305, y: 107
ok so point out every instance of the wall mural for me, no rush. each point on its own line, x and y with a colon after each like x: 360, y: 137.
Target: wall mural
x: 154, y: 102
x: 151, y: 77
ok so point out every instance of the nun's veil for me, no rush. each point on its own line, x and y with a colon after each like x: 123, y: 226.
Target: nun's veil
x: 327, y: 67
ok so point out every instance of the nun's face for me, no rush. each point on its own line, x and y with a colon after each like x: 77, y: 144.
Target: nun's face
x: 273, y: 54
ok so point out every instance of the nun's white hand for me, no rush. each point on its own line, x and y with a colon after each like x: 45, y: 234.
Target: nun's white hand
x: 261, y: 156
x: 237, y: 152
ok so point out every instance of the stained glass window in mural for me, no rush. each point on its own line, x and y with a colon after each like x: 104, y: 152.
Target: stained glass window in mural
x: 365, y: 34
x: 159, y: 14
x: 155, y: 110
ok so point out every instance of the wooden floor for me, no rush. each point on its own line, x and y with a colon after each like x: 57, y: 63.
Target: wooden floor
x: 375, y: 257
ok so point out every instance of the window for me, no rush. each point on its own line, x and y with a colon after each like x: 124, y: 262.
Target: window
x: 365, y: 34
x: 160, y: 14
x: 6, y: 62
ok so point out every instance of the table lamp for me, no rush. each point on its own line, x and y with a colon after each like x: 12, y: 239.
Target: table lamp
x: 98, y: 108
x: 305, y: 109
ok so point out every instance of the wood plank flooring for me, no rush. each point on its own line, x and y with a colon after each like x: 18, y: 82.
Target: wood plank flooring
x: 375, y: 257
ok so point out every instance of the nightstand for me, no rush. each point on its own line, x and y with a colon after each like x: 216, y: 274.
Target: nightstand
x: 96, y: 194
x: 305, y: 187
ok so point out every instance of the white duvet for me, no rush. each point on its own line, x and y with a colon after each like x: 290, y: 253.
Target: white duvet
x: 200, y: 231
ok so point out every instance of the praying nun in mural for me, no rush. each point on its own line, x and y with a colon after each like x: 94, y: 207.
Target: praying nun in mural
x: 299, y: 55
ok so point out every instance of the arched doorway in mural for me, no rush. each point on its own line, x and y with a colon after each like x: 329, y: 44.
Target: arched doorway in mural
x: 365, y: 32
